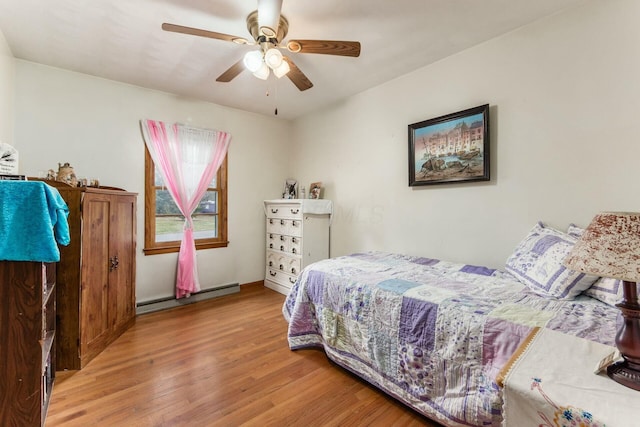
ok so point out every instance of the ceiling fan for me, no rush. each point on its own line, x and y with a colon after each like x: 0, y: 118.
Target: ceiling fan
x: 268, y: 29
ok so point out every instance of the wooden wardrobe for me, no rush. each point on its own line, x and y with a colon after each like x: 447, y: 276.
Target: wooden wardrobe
x: 96, y: 299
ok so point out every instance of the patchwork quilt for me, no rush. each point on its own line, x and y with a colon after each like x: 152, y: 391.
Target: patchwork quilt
x: 431, y: 333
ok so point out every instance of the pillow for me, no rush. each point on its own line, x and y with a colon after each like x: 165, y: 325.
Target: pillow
x: 537, y: 263
x: 575, y: 231
x: 607, y: 290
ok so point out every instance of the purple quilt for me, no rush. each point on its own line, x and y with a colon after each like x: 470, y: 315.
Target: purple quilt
x: 431, y: 333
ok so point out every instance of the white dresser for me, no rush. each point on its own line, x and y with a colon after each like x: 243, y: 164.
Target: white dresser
x: 297, y: 235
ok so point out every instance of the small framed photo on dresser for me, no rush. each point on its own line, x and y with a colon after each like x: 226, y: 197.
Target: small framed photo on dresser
x: 315, y: 190
x: 290, y: 189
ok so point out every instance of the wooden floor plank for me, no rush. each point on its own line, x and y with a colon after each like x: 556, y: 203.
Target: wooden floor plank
x: 221, y: 362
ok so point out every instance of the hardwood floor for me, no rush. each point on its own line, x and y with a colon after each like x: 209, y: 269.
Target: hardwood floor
x: 221, y: 362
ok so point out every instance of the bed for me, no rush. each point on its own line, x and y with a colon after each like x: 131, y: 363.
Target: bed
x: 456, y: 342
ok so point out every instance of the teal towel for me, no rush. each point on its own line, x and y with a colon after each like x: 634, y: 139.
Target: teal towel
x: 33, y: 219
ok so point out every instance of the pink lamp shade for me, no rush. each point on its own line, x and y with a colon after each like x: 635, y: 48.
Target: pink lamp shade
x: 609, y: 247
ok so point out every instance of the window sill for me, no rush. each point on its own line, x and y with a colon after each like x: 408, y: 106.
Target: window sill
x: 175, y: 247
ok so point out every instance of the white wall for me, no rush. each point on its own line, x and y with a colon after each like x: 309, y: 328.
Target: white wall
x: 565, y: 99
x: 565, y: 96
x: 93, y: 124
x: 7, y: 76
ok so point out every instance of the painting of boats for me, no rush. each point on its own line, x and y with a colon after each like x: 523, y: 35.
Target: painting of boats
x: 451, y: 148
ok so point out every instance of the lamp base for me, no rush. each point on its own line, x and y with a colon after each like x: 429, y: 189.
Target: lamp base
x: 624, y: 374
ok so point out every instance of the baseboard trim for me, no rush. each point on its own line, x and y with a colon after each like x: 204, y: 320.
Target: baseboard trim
x: 252, y: 285
x: 277, y: 287
x: 171, y: 302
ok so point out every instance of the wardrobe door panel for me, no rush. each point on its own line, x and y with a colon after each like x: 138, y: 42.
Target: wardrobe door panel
x: 95, y: 274
x: 122, y: 265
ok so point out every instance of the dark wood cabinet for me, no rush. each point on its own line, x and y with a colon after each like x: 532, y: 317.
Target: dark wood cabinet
x: 27, y: 341
x: 96, y: 274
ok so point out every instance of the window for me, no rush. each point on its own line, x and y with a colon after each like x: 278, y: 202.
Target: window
x: 163, y: 221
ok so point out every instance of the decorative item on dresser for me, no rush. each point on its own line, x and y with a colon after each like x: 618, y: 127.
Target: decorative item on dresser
x: 315, y: 190
x: 33, y: 220
x: 96, y: 273
x: 290, y: 189
x: 297, y: 235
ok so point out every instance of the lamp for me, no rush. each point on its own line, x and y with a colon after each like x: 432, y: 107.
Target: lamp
x: 273, y: 58
x: 259, y: 63
x: 253, y: 60
x: 282, y: 69
x: 610, y: 247
x: 262, y: 72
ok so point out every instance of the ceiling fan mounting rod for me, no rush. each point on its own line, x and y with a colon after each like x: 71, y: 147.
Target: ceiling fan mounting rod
x: 269, y: 41
x: 254, y: 30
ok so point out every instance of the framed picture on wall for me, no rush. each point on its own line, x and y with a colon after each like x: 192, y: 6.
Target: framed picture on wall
x: 451, y: 148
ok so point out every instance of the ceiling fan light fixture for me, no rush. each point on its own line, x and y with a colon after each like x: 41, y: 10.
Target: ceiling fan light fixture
x: 273, y: 58
x: 268, y: 27
x: 253, y: 60
x: 262, y: 72
x: 282, y: 70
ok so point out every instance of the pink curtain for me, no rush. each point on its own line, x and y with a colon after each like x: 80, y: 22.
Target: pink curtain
x: 188, y: 159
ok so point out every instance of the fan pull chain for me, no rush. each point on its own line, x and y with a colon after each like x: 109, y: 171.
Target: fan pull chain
x: 267, y: 93
x: 276, y: 110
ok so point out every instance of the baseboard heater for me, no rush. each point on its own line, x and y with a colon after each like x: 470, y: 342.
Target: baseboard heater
x: 171, y: 302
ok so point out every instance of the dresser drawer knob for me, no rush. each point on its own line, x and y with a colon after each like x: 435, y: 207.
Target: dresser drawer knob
x: 272, y: 273
x: 273, y: 211
x: 282, y: 222
x: 295, y: 211
x: 281, y: 267
x: 270, y: 263
x: 294, y: 223
x: 282, y: 248
x: 294, y: 251
x: 270, y: 221
x: 270, y: 245
x: 293, y: 271
x: 282, y: 238
x: 292, y: 280
x: 294, y: 240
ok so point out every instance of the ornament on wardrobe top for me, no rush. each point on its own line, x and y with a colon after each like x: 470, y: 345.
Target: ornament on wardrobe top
x: 8, y: 159
x: 66, y: 174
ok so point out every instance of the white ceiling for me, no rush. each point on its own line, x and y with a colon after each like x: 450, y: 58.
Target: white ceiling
x: 122, y: 40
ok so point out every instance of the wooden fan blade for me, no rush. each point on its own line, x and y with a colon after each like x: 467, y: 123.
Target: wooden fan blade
x: 326, y: 47
x: 231, y: 73
x: 296, y: 76
x: 203, y: 33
